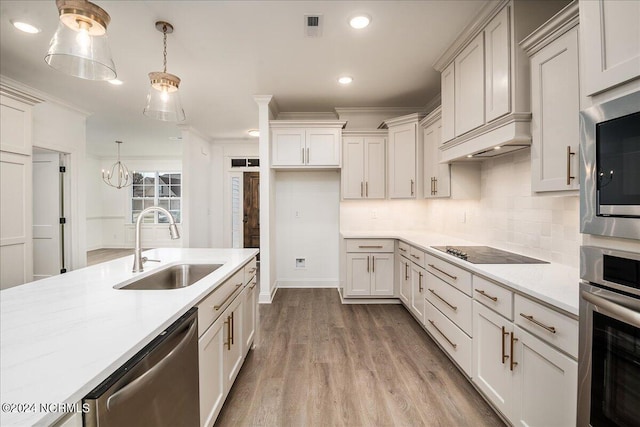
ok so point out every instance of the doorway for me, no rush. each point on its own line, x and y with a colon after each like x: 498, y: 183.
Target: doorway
x: 49, y: 219
x: 251, y: 209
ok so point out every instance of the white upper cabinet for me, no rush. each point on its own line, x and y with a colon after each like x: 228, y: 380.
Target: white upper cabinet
x: 497, y: 51
x: 405, y: 157
x: 469, y: 87
x: 448, y: 101
x: 610, y: 43
x: 488, y: 104
x: 306, y: 144
x: 555, y: 103
x: 364, y: 166
x: 437, y: 177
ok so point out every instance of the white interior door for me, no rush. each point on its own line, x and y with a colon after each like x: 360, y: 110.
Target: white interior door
x: 46, y: 215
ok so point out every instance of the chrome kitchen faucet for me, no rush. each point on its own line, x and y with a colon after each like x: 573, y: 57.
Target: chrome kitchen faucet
x: 138, y: 259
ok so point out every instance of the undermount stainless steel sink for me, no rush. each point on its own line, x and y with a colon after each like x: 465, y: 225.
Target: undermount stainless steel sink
x: 173, y: 277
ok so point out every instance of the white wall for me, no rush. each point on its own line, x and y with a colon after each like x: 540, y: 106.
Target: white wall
x: 196, y: 173
x: 507, y: 216
x: 307, y: 220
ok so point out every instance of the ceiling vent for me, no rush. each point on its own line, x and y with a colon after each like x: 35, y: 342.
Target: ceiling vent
x: 313, y: 25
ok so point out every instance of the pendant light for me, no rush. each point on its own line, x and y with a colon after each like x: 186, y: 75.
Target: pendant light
x: 79, y: 46
x: 118, y: 176
x: 163, y: 100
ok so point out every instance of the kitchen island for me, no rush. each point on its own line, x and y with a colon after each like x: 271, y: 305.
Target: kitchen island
x: 62, y: 336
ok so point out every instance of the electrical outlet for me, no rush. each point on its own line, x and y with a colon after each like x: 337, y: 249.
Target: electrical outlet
x: 298, y: 215
x: 301, y: 262
x: 374, y: 214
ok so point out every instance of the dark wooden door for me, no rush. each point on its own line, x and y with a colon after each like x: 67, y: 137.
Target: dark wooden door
x: 251, y: 209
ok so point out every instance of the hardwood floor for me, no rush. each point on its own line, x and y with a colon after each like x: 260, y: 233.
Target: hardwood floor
x: 321, y: 363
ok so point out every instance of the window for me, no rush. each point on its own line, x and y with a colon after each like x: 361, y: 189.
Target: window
x: 162, y: 189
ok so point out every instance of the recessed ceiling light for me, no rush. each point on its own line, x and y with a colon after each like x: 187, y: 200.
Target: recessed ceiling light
x: 27, y: 28
x: 469, y: 156
x: 115, y: 82
x: 345, y: 80
x: 360, y: 21
x: 175, y: 138
x: 497, y: 148
x: 254, y: 132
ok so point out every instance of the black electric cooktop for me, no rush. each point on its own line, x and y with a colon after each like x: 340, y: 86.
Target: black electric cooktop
x: 487, y: 255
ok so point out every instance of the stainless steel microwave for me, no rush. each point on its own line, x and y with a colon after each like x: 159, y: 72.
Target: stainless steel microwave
x: 610, y: 168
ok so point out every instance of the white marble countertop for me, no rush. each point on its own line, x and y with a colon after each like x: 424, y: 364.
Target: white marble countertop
x: 61, y: 336
x: 553, y: 283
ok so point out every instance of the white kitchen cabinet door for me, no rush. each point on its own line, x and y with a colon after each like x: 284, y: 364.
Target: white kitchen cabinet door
x: 448, y: 103
x: 352, y: 174
x: 375, y: 167
x: 358, y: 274
x: 497, y: 51
x: 545, y: 384
x: 610, y: 43
x: 402, y: 161
x: 323, y: 147
x: 417, y: 291
x: 469, y: 87
x: 288, y: 147
x: 491, y: 350
x: 233, y: 356
x: 437, y: 177
x: 405, y: 282
x: 382, y: 274
x: 555, y: 107
x: 211, y: 348
x: 249, y: 313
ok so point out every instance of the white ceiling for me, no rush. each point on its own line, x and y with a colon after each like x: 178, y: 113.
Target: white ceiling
x: 227, y: 51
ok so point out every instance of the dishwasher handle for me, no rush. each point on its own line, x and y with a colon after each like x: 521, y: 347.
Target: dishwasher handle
x: 149, y: 375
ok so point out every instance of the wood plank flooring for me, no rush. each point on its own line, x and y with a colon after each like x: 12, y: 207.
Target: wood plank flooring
x: 321, y: 363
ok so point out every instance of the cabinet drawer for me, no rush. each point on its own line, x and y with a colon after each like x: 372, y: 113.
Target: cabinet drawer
x: 417, y: 256
x: 550, y: 325
x: 495, y: 297
x: 404, y: 249
x: 214, y: 304
x: 455, y: 276
x: 369, y: 245
x: 250, y: 270
x: 450, y: 301
x: 455, y: 342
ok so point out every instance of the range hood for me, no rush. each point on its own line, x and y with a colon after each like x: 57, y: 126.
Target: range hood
x: 504, y: 135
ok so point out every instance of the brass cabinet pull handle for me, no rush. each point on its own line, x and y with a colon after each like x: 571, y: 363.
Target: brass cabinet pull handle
x: 435, y: 186
x: 406, y: 271
x: 228, y: 323
x: 484, y: 294
x: 370, y: 247
x: 569, y: 154
x: 367, y: 263
x: 366, y: 188
x: 412, y: 187
x: 415, y: 256
x: 307, y: 155
x: 454, y: 345
x: 373, y: 263
x: 512, y: 363
x: 217, y: 307
x: 539, y: 323
x: 253, y: 270
x: 504, y: 356
x: 253, y: 285
x: 402, y: 249
x: 420, y: 281
x: 432, y: 186
x: 303, y: 155
x: 361, y: 189
x: 453, y: 307
x: 443, y: 272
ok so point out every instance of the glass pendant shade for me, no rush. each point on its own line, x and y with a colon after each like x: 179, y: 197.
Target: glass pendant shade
x: 163, y: 100
x: 80, y: 46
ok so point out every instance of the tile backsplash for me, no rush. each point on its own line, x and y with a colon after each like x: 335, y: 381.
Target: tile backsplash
x: 507, y: 216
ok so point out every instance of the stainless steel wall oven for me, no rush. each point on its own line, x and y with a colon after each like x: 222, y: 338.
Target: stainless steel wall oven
x: 609, y: 353
x: 610, y: 168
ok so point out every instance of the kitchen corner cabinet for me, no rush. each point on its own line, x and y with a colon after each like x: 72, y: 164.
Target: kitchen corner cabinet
x: 609, y: 43
x: 555, y: 102
x: 364, y: 165
x: 370, y: 267
x: 405, y: 156
x: 306, y: 144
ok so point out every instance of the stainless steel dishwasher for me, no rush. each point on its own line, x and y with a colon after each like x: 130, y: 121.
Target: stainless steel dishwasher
x: 156, y: 387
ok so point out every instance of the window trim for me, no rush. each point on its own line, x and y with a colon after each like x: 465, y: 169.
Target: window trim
x: 156, y: 197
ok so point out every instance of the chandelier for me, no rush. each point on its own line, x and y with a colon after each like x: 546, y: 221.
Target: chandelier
x: 163, y: 101
x: 118, y: 176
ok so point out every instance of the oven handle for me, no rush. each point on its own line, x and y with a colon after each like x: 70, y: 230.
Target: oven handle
x: 622, y: 312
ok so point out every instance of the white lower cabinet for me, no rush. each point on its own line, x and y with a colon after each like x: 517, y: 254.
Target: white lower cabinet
x: 404, y: 280
x: 250, y: 313
x: 369, y: 274
x: 233, y: 355
x: 211, y: 347
x: 526, y: 379
x: 417, y: 291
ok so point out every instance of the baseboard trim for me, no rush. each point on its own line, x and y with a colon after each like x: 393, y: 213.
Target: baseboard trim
x: 267, y: 297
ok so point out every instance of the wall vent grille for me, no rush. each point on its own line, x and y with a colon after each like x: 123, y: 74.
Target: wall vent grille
x: 313, y: 25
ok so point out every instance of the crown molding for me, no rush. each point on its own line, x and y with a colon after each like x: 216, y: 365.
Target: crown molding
x: 433, y: 104
x: 559, y: 24
x: 432, y: 117
x: 22, y: 92
x: 379, y: 110
x: 307, y: 123
x: 409, y: 118
x: 303, y: 115
x: 365, y: 132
